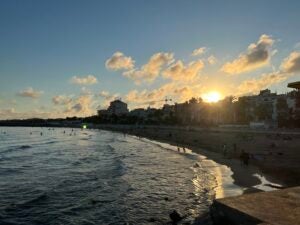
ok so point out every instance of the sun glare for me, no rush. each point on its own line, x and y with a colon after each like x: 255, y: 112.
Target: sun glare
x: 212, y: 96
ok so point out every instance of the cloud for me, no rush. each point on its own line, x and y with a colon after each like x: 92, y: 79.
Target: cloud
x: 85, y: 91
x: 81, y: 106
x: 212, y: 60
x: 291, y: 64
x: 150, y: 71
x: 288, y: 68
x: 61, y: 100
x: 30, y: 93
x: 257, y: 55
x: 119, y: 61
x: 177, y: 91
x: 107, y: 97
x: 104, y: 94
x: 253, y: 86
x: 199, y: 51
x: 88, y: 80
x: 179, y: 71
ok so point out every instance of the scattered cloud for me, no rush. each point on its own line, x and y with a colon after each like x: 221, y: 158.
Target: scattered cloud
x: 81, y: 106
x: 253, y: 86
x: 179, y: 71
x: 104, y: 94
x: 107, y: 97
x: 212, y: 60
x: 257, y: 55
x: 199, y: 51
x: 150, y: 71
x: 119, y: 61
x: 291, y: 64
x: 30, y: 93
x: 176, y: 90
x: 88, y: 80
x: 86, y: 91
x: 288, y: 68
x: 61, y: 100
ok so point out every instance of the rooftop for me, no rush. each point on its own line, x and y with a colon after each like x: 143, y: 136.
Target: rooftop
x: 294, y: 85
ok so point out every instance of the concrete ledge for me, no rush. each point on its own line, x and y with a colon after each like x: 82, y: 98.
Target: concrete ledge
x: 280, y: 207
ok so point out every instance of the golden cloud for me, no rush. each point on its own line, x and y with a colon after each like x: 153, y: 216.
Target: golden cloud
x: 257, y: 55
x: 150, y: 71
x: 179, y: 71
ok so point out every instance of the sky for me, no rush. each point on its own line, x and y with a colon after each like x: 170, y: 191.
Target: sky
x: 70, y: 58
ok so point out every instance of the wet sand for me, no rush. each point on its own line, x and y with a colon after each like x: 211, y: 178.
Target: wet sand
x: 273, y: 156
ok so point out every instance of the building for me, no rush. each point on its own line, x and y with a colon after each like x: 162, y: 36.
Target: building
x: 117, y: 107
x: 295, y: 85
x: 139, y: 112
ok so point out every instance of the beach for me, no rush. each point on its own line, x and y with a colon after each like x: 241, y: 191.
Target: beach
x: 273, y: 155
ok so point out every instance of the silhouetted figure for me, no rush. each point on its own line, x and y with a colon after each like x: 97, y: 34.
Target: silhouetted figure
x: 184, y: 149
x: 64, y: 131
x: 41, y: 133
x: 178, y: 149
x: 245, y: 158
x: 175, y: 217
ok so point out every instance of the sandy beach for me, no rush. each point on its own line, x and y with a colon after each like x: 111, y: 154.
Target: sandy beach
x: 273, y: 155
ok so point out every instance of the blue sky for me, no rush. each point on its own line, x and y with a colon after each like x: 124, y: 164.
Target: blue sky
x: 43, y: 44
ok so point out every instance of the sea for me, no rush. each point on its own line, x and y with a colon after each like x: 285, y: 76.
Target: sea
x: 65, y: 176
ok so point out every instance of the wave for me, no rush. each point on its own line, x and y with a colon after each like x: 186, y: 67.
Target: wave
x: 15, y: 148
x: 28, y: 204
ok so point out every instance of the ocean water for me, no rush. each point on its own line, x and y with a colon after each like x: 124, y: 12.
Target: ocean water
x: 91, y: 177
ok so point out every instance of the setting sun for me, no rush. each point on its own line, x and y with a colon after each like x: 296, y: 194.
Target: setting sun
x: 212, y: 96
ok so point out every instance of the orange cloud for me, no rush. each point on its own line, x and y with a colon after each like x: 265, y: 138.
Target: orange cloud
x: 257, y: 55
x: 150, y: 71
x: 291, y: 64
x: 179, y: 71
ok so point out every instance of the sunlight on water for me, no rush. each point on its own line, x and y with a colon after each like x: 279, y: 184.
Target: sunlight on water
x: 98, y: 177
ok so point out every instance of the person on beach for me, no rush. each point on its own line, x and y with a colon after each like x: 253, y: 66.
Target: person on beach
x: 244, y: 157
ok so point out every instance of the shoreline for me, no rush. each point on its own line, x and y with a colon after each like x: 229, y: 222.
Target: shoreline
x: 251, y: 178
x: 232, y: 179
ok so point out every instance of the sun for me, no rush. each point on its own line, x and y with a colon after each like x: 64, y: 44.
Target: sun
x: 212, y: 96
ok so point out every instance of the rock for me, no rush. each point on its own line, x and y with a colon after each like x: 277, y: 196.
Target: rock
x: 175, y: 217
x: 166, y: 199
